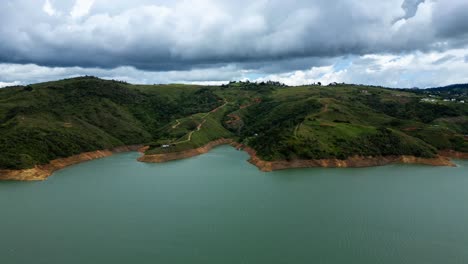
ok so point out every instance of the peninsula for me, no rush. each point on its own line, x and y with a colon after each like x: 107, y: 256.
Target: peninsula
x: 47, y: 126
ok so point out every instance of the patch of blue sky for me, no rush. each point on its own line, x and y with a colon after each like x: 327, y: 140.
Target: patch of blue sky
x: 343, y: 63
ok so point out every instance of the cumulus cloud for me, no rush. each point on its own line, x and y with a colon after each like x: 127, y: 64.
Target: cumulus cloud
x: 81, y: 8
x: 14, y: 74
x: 48, y: 8
x: 5, y: 84
x: 450, y: 20
x: 250, y: 38
x: 398, y: 71
x: 185, y: 34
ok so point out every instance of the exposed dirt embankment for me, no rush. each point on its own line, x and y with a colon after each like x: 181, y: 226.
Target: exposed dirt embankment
x: 159, y: 158
x: 454, y: 154
x: 353, y: 162
x: 41, y: 172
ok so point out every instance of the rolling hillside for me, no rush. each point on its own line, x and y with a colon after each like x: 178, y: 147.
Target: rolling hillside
x: 42, y: 122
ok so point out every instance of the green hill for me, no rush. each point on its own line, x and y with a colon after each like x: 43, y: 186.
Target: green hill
x: 45, y: 121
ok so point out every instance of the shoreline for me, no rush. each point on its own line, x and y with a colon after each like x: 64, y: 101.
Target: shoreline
x: 443, y: 159
x: 165, y: 157
x: 453, y: 154
x: 42, y: 172
x: 351, y: 162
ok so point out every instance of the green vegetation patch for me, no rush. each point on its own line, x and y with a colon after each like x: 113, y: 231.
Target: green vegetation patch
x: 45, y: 121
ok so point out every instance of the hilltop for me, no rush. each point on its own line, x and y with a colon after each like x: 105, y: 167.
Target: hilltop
x: 47, y: 121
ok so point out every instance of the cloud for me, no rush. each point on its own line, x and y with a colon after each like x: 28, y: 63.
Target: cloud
x: 450, y: 20
x: 180, y: 35
x: 81, y: 8
x: 48, y: 8
x: 410, y: 7
x: 220, y: 40
x: 399, y: 71
x: 444, y: 59
x: 30, y: 73
x: 6, y: 84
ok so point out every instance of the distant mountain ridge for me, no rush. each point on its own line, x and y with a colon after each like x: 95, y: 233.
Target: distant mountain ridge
x: 452, y: 86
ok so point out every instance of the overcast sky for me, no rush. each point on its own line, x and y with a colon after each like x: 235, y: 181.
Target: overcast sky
x: 395, y: 43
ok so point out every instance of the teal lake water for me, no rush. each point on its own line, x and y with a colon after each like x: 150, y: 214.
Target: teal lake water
x: 217, y: 208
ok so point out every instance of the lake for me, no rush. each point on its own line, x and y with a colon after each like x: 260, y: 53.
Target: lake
x: 217, y: 208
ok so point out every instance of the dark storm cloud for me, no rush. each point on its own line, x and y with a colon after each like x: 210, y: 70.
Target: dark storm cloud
x: 451, y: 19
x: 285, y: 65
x: 269, y: 36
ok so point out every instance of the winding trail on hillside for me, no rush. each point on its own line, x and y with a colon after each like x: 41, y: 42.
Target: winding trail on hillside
x: 199, y: 126
x: 296, y: 129
x: 176, y: 125
x: 216, y: 109
x: 322, y: 111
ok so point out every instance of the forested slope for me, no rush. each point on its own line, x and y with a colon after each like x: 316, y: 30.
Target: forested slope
x: 42, y: 122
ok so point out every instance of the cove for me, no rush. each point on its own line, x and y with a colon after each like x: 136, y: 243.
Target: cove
x: 218, y: 208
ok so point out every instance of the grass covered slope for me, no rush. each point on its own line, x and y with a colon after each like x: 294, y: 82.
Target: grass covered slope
x: 345, y: 120
x: 192, y: 132
x: 42, y: 122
